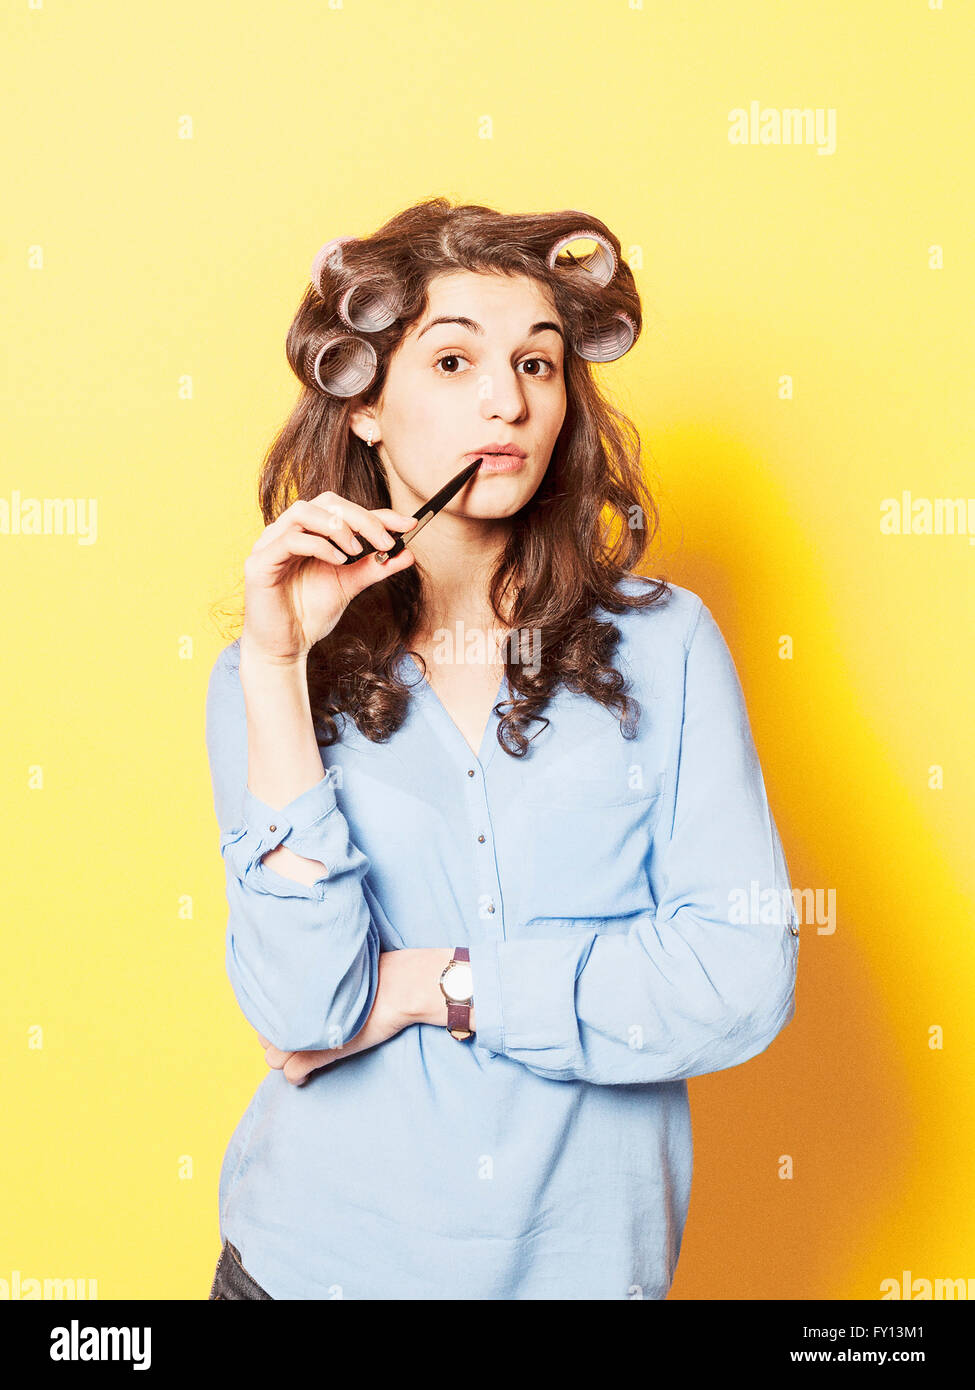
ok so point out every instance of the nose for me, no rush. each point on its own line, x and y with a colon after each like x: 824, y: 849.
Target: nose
x: 502, y: 396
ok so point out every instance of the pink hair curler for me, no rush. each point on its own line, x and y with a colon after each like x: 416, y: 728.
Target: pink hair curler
x: 609, y: 343
x: 344, y: 365
x: 599, y: 264
x: 372, y: 310
x: 330, y: 253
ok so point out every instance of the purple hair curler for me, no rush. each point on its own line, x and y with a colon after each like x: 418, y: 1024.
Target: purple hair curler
x: 599, y: 264
x: 344, y: 365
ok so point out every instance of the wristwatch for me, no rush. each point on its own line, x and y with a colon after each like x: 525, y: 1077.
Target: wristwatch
x: 457, y: 987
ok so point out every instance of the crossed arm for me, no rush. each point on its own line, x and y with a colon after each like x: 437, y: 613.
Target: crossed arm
x: 695, y: 985
x: 409, y: 992
x: 259, y: 718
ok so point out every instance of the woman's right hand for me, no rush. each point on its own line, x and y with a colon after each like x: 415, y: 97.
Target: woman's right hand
x: 296, y: 586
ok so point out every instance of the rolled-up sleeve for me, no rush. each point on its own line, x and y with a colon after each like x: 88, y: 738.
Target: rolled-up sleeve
x: 707, y: 979
x: 302, y: 958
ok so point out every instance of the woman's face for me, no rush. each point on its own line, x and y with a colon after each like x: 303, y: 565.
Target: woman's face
x: 492, y: 375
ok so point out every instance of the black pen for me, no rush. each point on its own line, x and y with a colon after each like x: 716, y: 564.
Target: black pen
x: 427, y: 512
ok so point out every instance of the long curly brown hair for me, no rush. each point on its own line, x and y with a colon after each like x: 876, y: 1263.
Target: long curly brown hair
x: 588, y: 526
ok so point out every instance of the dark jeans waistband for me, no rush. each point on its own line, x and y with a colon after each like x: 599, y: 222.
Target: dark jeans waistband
x: 232, y: 1280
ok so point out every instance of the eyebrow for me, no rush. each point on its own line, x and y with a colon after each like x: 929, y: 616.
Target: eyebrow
x: 475, y: 327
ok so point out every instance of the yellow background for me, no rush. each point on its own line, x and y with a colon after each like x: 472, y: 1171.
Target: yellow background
x: 168, y: 258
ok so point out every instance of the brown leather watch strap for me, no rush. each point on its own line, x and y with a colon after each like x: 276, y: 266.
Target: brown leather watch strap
x: 459, y: 1015
x: 459, y: 1020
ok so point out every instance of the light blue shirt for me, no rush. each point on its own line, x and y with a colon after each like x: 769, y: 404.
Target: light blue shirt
x: 630, y: 921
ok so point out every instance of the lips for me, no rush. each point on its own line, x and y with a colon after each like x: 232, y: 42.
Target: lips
x: 487, y: 450
x: 500, y: 463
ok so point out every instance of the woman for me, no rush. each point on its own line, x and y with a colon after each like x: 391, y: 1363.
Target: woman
x: 483, y: 951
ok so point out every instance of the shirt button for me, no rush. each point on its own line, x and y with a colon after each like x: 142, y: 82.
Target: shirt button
x: 470, y: 772
x: 480, y: 839
x: 794, y: 929
x: 272, y: 827
x: 490, y: 907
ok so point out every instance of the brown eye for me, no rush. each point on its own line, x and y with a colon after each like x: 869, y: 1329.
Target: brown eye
x: 545, y: 362
x: 449, y: 357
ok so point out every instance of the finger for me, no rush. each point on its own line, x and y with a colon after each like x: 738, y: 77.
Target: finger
x: 264, y: 568
x: 365, y: 571
x: 344, y: 518
x: 402, y: 520
x: 273, y: 530
x: 326, y: 499
x: 275, y: 1058
x: 293, y: 543
x: 331, y: 503
x: 399, y: 519
x: 368, y: 570
x: 329, y: 521
x: 300, y: 1065
x: 325, y: 502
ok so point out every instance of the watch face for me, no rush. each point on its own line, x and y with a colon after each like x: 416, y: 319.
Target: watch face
x: 459, y: 982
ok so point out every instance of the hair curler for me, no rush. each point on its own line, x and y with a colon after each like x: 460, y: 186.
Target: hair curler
x: 608, y: 343
x: 331, y: 254
x: 367, y: 309
x: 600, y: 264
x: 344, y: 364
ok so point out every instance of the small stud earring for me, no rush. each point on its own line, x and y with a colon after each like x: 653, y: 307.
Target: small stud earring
x: 369, y: 440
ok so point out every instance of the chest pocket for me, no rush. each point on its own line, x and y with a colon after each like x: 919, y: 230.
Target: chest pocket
x: 587, y: 864
x: 600, y: 768
x: 588, y: 819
